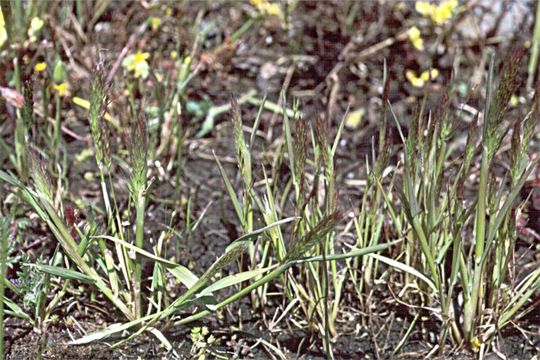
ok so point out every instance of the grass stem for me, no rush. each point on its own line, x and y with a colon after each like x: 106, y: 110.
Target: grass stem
x: 139, y: 242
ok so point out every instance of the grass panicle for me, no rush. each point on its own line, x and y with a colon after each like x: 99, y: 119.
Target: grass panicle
x: 40, y: 175
x: 312, y: 238
x: 139, y: 169
x: 139, y: 155
x: 98, y: 125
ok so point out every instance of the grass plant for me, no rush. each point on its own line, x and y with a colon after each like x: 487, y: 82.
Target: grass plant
x: 437, y: 224
x: 439, y: 216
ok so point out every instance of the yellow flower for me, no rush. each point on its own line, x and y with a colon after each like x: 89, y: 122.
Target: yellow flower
x: 35, y: 26
x: 265, y: 7
x: 61, y: 89
x: 432, y: 73
x: 89, y: 176
x: 354, y: 118
x: 271, y: 9
x: 438, y: 14
x: 174, y: 54
x: 3, y: 32
x: 424, y: 8
x: 41, y: 66
x: 476, y: 343
x: 444, y: 11
x: 155, y: 22
x: 137, y: 64
x: 419, y: 81
x: 413, y: 79
x: 415, y: 38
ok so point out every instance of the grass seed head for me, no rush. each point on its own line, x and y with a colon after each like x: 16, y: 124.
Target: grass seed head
x: 507, y: 86
x: 100, y: 133
x: 300, y: 150
x: 312, y: 238
x: 522, y: 134
x: 40, y: 174
x: 28, y: 104
x: 139, y: 154
x: 470, y: 150
x: 229, y: 256
x: 241, y: 148
x: 382, y: 128
x: 515, y: 151
x: 532, y: 121
x: 321, y: 132
x: 441, y: 112
x: 236, y: 118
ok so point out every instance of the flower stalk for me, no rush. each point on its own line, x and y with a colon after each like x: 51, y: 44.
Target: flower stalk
x: 139, y: 154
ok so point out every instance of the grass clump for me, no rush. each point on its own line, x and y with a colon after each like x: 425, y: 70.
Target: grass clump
x: 463, y: 248
x: 114, y: 211
x: 105, y: 258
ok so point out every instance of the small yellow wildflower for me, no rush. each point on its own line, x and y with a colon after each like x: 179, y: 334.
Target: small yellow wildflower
x: 61, y: 89
x: 155, y: 23
x: 413, y: 79
x: 438, y: 14
x: 514, y: 101
x: 89, y: 176
x: 444, y: 11
x: 272, y: 9
x: 137, y: 64
x: 354, y: 118
x: 265, y: 7
x: 174, y: 54
x: 41, y: 66
x: 419, y: 81
x: 476, y: 343
x: 3, y: 32
x: 416, y: 38
x: 35, y: 26
x: 424, y: 8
